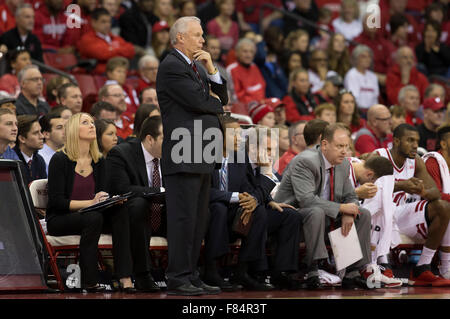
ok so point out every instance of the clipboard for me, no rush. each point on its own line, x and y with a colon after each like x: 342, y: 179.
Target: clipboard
x: 111, y: 201
x: 346, y: 250
x: 156, y: 197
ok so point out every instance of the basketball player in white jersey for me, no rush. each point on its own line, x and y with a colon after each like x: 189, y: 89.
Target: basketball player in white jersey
x: 419, y: 212
x: 374, y: 183
x: 438, y: 166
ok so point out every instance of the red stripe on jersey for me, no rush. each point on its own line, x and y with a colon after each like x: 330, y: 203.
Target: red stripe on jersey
x: 393, y: 163
x: 423, y: 204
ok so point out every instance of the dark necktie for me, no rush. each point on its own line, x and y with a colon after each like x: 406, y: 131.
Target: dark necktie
x: 155, y: 218
x: 194, y: 67
x: 29, y: 163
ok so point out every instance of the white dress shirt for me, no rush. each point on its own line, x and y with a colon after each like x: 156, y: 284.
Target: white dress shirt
x: 47, y: 153
x: 149, y: 167
x: 214, y: 77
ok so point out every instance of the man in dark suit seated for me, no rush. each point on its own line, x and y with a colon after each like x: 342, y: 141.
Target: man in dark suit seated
x: 134, y: 166
x: 29, y: 141
x: 317, y: 182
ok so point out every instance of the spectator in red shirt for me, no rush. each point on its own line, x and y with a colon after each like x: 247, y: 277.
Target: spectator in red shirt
x: 116, y: 73
x: 438, y: 163
x: 147, y: 68
x: 223, y: 27
x: 249, y: 84
x: 409, y: 99
x: 114, y: 94
x: 392, y: 7
x: 382, y: 49
x: 297, y: 144
x: 300, y: 102
x: 377, y: 133
x: 433, y: 117
x: 404, y: 72
x: 7, y: 15
x: 101, y: 44
x: 50, y: 26
x: 248, y: 14
x: 17, y: 60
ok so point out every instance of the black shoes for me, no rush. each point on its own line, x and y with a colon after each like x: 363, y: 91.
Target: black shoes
x: 208, y: 290
x: 145, y: 283
x: 283, y: 280
x: 94, y: 289
x: 186, y: 290
x: 216, y: 280
x: 313, y: 283
x: 358, y: 282
x: 251, y: 284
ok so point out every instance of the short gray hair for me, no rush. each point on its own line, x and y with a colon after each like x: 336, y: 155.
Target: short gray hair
x: 402, y: 92
x: 22, y: 6
x: 244, y: 41
x: 360, y: 49
x: 21, y: 74
x: 146, y: 58
x: 180, y: 26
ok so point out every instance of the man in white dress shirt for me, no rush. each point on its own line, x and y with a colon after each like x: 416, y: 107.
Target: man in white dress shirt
x: 52, y: 127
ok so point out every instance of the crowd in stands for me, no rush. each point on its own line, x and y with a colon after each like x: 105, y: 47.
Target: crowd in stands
x: 296, y: 76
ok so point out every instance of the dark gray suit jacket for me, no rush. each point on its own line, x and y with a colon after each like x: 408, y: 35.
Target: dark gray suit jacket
x: 303, y: 179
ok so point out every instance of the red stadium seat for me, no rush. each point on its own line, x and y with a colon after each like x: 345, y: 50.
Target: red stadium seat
x: 89, y: 90
x: 99, y: 81
x: 60, y: 61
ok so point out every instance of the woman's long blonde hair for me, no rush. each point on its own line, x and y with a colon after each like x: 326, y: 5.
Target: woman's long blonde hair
x: 72, y: 146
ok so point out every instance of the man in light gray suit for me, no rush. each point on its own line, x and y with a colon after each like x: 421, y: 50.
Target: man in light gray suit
x: 308, y: 185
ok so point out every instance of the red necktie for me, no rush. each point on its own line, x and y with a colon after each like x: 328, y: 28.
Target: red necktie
x: 194, y: 67
x: 29, y: 163
x: 155, y: 218
x: 331, y: 180
x: 332, y: 184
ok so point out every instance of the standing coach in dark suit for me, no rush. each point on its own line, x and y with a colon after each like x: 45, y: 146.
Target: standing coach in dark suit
x: 190, y: 102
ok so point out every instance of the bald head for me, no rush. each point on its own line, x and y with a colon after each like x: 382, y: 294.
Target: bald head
x: 379, y: 119
x: 376, y: 110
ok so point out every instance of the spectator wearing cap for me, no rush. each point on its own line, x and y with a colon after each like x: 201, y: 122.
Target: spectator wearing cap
x: 249, y: 84
x: 160, y: 40
x: 433, y: 117
x: 101, y: 44
x: 21, y: 35
x: 136, y: 25
x: 262, y: 114
x: 279, y: 109
x: 360, y: 80
x: 329, y: 91
x: 7, y: 102
x: 300, y: 103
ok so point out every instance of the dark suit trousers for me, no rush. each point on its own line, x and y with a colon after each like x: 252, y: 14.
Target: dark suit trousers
x: 285, y: 228
x: 128, y: 224
x: 187, y: 199
x: 219, y: 233
x: 89, y: 226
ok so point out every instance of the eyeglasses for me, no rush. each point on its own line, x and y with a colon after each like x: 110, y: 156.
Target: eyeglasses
x: 381, y: 119
x: 150, y: 68
x: 35, y: 80
x: 118, y: 95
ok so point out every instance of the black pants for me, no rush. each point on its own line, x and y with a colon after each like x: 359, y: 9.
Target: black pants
x: 219, y: 233
x: 89, y: 227
x: 131, y: 233
x: 187, y: 197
